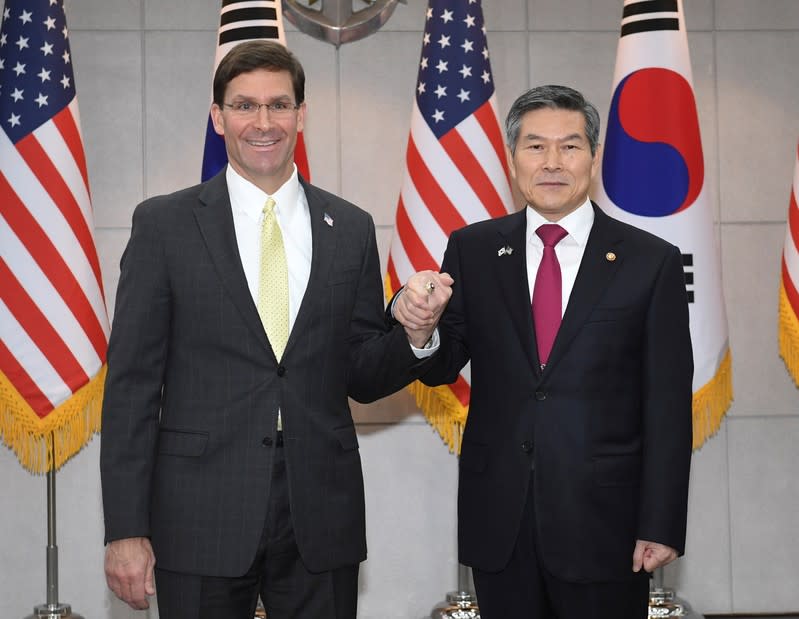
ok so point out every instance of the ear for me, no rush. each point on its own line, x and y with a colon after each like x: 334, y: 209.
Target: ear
x: 595, y: 162
x: 511, y: 163
x: 218, y: 119
x: 301, y: 117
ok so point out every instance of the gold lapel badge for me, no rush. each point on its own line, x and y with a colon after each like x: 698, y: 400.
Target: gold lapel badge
x: 610, y: 256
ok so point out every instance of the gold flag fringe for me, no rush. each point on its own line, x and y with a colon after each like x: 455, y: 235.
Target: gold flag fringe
x: 789, y: 335
x: 71, y: 425
x: 440, y: 406
x: 443, y: 411
x: 711, y: 401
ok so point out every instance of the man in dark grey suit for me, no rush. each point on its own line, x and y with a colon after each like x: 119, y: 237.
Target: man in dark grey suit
x: 229, y: 455
x: 575, y: 457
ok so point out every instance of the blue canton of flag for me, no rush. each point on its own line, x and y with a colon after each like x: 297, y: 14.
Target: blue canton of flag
x: 35, y: 66
x: 454, y: 71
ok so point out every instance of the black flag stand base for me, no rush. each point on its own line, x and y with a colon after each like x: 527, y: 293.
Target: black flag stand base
x: 460, y: 604
x: 52, y: 609
x: 665, y: 603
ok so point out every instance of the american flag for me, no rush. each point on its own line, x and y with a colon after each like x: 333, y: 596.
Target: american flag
x: 456, y: 171
x: 53, y: 318
x: 789, y: 284
x: 240, y: 21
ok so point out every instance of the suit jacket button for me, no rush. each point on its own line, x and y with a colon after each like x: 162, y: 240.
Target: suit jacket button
x: 267, y: 441
x: 527, y: 446
x: 540, y: 395
x: 281, y: 370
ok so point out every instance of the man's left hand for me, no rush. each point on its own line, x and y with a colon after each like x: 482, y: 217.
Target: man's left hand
x: 651, y: 555
x: 421, y: 303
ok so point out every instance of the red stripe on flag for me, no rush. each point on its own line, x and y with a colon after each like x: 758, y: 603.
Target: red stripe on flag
x: 393, y: 278
x: 68, y: 129
x: 301, y: 158
x: 488, y: 121
x: 793, y: 221
x: 24, y: 384
x: 460, y: 388
x: 474, y: 173
x: 416, y: 251
x: 42, y: 166
x: 438, y: 202
x: 50, y: 261
x: 790, y: 288
x: 41, y: 332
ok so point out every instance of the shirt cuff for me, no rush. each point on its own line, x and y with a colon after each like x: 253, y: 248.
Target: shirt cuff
x: 430, y: 348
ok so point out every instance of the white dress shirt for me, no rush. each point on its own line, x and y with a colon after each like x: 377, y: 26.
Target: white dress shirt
x: 294, y: 219
x: 569, y: 251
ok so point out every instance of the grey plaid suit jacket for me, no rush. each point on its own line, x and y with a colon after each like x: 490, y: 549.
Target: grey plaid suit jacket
x: 193, y: 387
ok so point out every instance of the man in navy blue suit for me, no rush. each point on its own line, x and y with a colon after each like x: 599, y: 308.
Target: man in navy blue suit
x: 576, y: 453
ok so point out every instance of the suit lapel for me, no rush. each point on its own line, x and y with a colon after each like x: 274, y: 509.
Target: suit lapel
x: 595, y: 272
x: 511, y: 274
x: 215, y: 219
x: 323, y: 242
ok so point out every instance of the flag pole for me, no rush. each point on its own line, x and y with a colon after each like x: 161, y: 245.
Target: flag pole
x: 459, y: 604
x: 52, y: 609
x: 664, y: 602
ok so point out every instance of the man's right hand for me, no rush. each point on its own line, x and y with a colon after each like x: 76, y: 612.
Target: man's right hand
x: 129, y: 567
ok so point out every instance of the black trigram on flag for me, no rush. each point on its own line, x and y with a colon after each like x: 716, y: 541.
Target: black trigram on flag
x: 687, y: 267
x: 649, y: 15
x: 243, y: 21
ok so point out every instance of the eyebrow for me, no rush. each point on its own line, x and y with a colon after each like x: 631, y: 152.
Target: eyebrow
x: 276, y: 99
x: 568, y: 138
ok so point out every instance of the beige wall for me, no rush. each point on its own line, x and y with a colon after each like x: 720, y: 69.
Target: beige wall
x: 142, y: 69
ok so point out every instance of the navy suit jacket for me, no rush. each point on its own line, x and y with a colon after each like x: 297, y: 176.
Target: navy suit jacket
x: 605, y: 429
x: 193, y: 387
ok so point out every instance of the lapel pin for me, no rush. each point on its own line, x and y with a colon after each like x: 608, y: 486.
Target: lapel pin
x: 505, y: 251
x: 328, y: 220
x: 610, y: 256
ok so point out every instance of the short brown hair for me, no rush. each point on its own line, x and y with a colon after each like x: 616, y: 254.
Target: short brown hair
x: 254, y: 55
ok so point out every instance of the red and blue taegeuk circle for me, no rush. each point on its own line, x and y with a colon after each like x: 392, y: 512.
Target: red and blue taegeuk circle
x: 653, y: 164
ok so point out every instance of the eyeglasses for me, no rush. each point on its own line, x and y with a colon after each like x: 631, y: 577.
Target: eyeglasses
x: 250, y: 109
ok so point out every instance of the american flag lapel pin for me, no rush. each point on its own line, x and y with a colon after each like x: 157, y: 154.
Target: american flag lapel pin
x: 506, y: 250
x: 328, y: 220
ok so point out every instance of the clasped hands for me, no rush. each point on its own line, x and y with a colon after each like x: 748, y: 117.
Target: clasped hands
x: 421, y: 303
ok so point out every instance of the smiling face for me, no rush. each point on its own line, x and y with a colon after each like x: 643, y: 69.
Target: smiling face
x: 260, y: 147
x: 552, y: 164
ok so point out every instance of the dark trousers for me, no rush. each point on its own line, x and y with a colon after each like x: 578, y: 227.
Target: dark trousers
x: 287, y: 589
x: 524, y: 589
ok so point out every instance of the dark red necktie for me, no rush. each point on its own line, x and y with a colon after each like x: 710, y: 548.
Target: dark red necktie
x: 547, y: 292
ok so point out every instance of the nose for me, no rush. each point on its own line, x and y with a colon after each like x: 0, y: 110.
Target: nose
x: 262, y: 118
x: 553, y: 160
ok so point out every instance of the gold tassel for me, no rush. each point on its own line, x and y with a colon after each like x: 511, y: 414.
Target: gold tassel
x: 443, y: 411
x: 71, y: 424
x: 789, y: 335
x: 387, y: 289
x: 711, y: 401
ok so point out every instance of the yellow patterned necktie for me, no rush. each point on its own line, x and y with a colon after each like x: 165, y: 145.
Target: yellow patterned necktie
x: 273, y: 283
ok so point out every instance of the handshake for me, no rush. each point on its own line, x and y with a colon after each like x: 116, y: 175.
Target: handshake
x: 420, y: 303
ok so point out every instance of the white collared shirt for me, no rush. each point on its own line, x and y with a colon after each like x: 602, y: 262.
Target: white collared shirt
x: 294, y: 219
x: 569, y: 251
